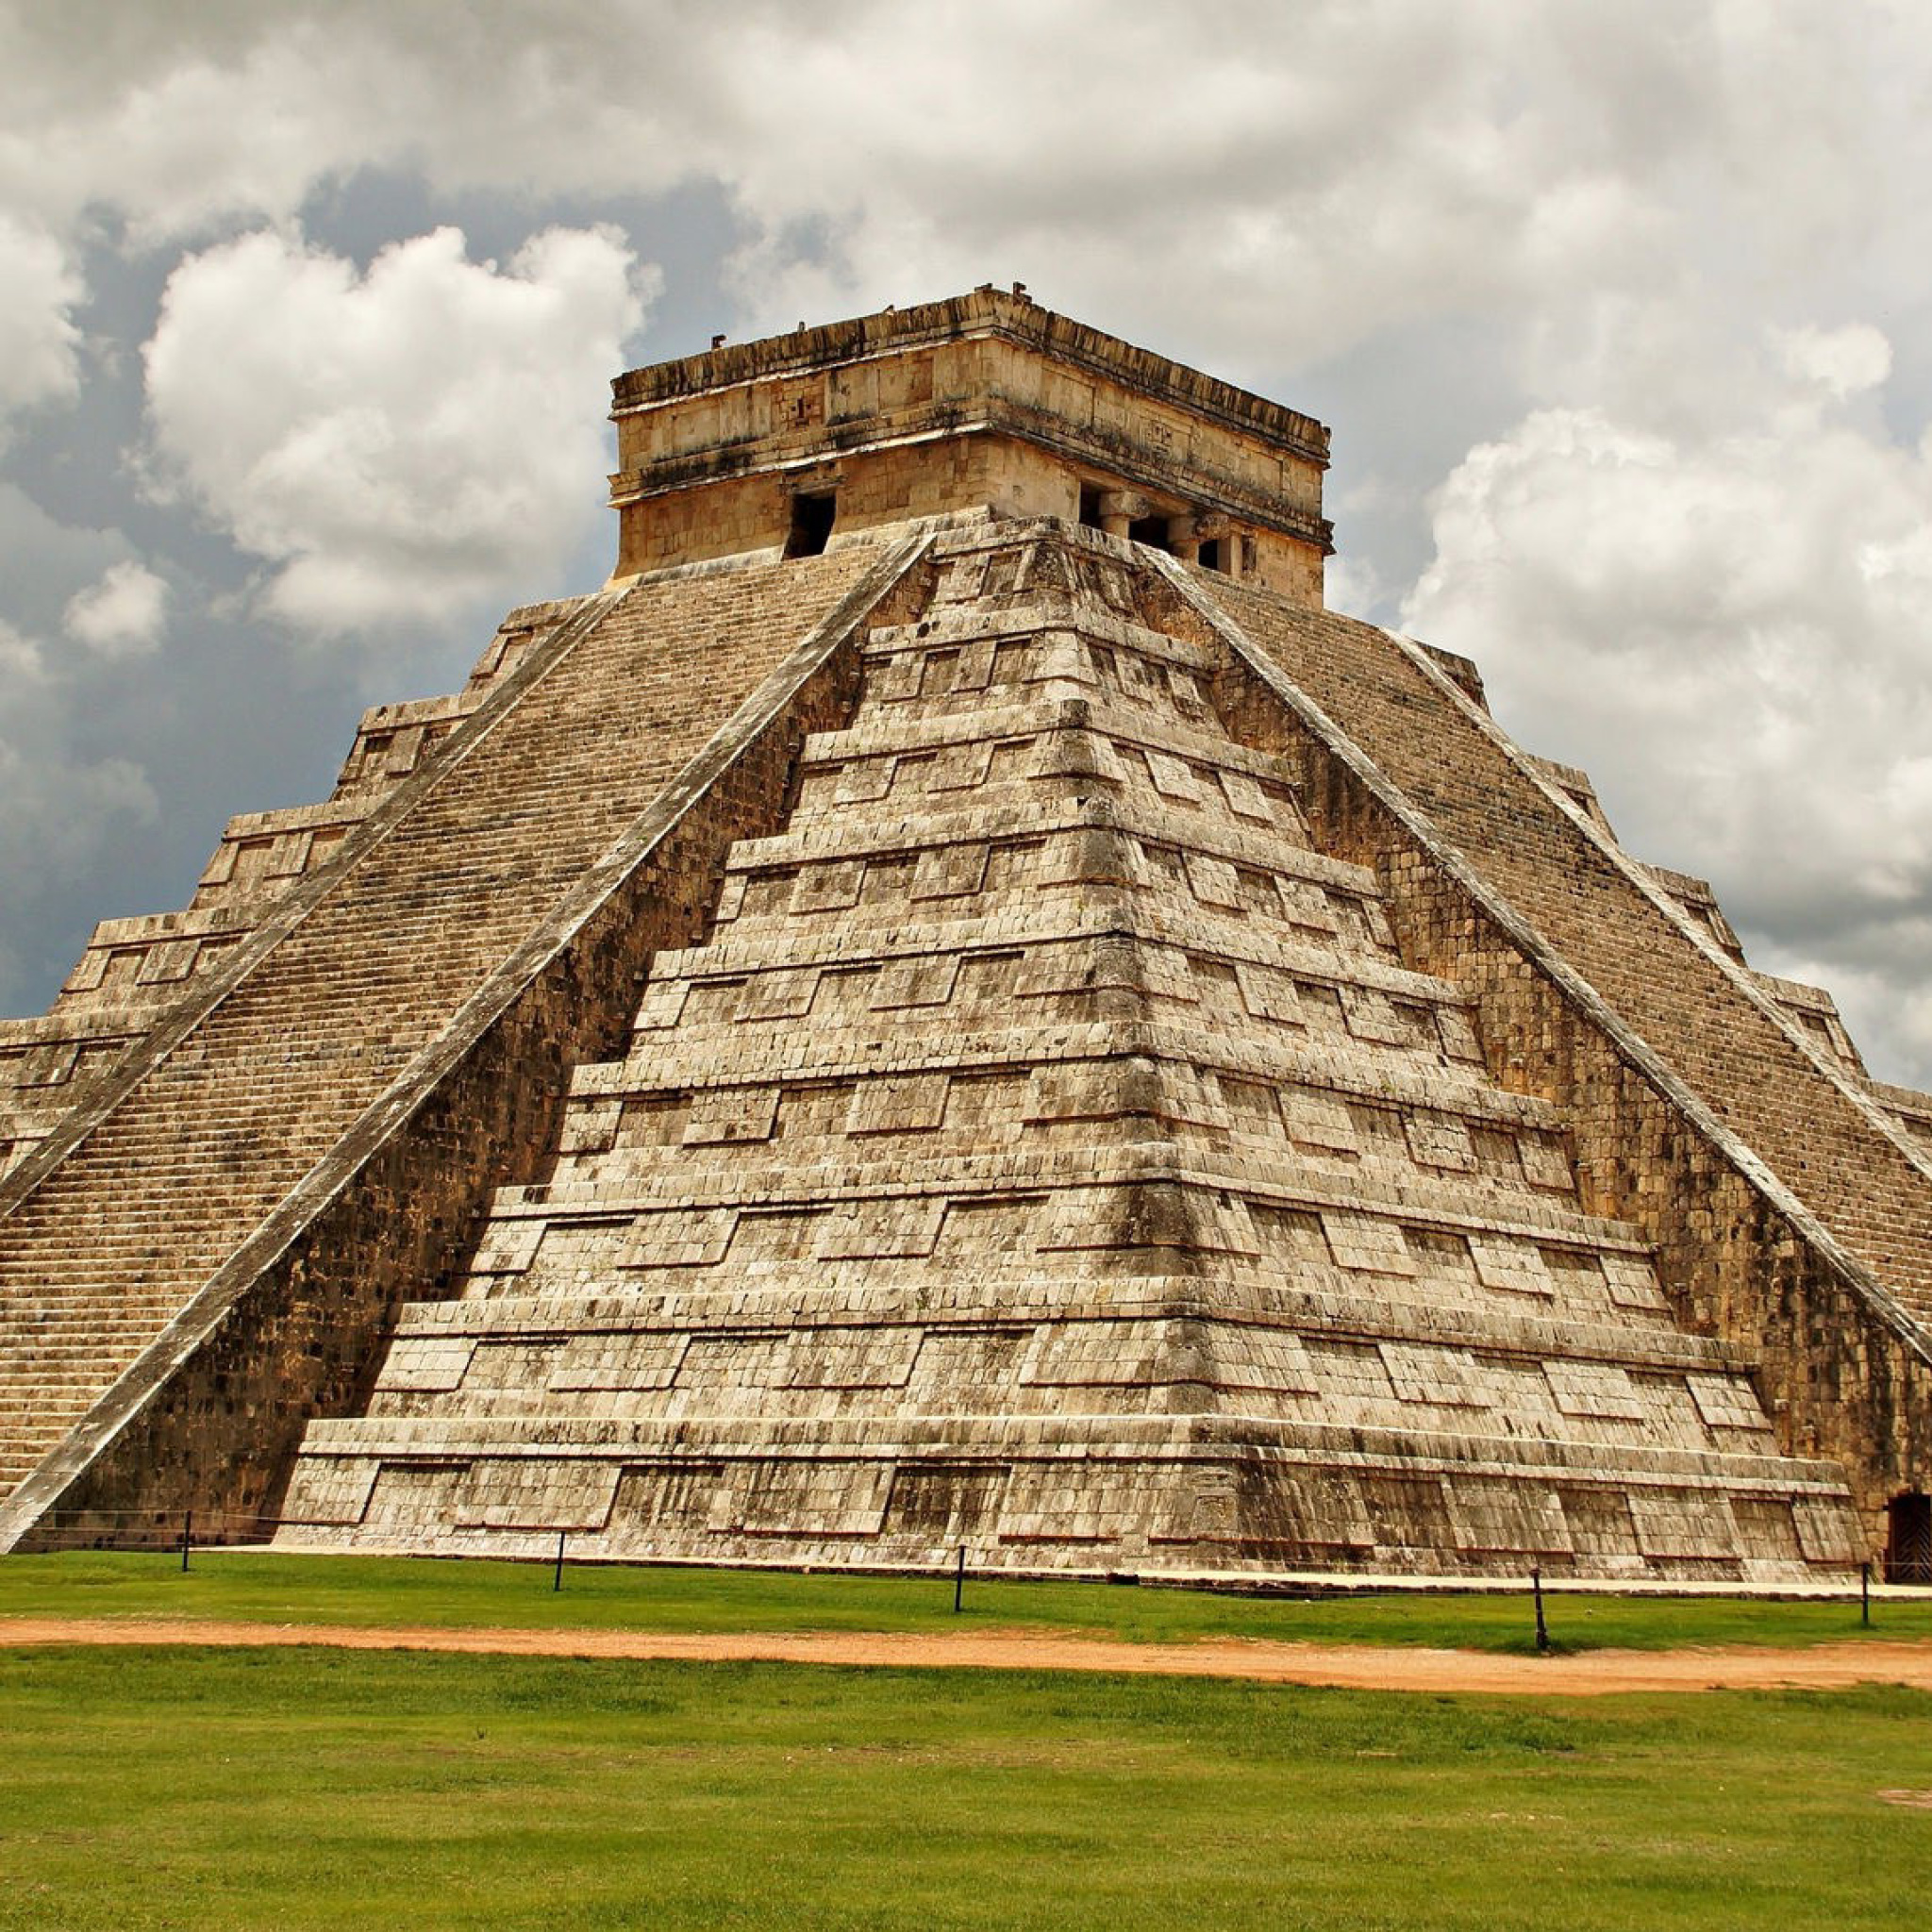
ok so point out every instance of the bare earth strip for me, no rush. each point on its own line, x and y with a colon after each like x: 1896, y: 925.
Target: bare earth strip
x: 1823, y: 1667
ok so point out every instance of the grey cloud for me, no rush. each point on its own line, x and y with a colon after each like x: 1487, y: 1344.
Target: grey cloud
x: 1434, y: 226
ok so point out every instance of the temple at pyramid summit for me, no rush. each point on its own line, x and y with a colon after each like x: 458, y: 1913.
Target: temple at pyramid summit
x: 954, y: 1005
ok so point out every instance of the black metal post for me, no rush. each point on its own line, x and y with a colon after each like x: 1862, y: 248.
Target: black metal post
x: 187, y: 1536
x: 1865, y: 1594
x: 1543, y: 1630
x: 959, y: 1581
x: 556, y: 1582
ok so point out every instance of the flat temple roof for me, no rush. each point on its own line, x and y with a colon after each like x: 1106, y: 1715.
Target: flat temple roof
x: 986, y: 312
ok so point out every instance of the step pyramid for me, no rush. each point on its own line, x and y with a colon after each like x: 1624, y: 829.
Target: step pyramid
x: 954, y: 1006
x: 1049, y: 1152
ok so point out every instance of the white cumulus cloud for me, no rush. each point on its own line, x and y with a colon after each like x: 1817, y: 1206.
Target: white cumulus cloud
x: 1594, y: 265
x: 1305, y: 176
x: 22, y: 661
x: 392, y: 443
x: 39, y: 340
x: 56, y: 809
x: 1843, y: 360
x: 122, y: 613
x: 1733, y: 631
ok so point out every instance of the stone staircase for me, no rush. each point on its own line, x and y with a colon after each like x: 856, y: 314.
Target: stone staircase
x: 134, y: 969
x: 360, y: 967
x: 1161, y: 1084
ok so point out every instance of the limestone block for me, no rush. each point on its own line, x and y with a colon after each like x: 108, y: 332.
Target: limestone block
x: 1305, y: 905
x: 833, y: 886
x: 862, y: 1229
x: 1728, y: 1402
x: 947, y: 872
x: 643, y: 1358
x: 428, y: 1363
x: 959, y: 767
x: 535, y: 1495
x: 662, y: 1004
x: 1439, y: 1140
x: 1274, y: 1359
x: 1544, y: 1163
x: 1067, y: 1502
x: 902, y: 1103
x: 508, y: 1248
x: 1407, y: 1512
x: 941, y: 1501
x: 1082, y: 1091
x: 1173, y: 778
x: 800, y: 1497
x: 1682, y: 1524
x: 865, y: 781
x: 1496, y: 1515
x: 1601, y: 1527
x: 1367, y: 1243
x: 732, y: 1113
x: 1268, y: 993
x: 591, y: 1126
x: 677, y: 1238
x: 852, y: 1357
x: 1593, y: 1388
x: 1446, y: 1376
x: 1316, y: 1119
x: 1632, y: 1282
x: 1370, y: 1016
x: 1826, y: 1532
x: 1510, y: 1263
x: 1102, y: 1354
x: 916, y: 982
x: 1459, y: 1037
x: 330, y: 1490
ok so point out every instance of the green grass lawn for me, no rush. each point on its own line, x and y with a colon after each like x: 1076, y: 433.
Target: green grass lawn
x: 218, y: 1789
x: 367, y: 1591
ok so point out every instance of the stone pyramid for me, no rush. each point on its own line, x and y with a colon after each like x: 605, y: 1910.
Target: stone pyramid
x: 984, y: 1030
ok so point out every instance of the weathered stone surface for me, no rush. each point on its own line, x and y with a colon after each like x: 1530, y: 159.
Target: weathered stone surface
x: 1791, y: 1210
x: 1051, y: 1150
x: 1098, y: 1059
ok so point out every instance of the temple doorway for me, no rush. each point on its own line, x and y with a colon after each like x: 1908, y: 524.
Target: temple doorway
x: 1908, y: 1545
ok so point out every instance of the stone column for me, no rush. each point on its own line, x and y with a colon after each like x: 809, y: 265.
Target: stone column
x: 1184, y: 538
x: 1119, y: 508
x: 1221, y: 530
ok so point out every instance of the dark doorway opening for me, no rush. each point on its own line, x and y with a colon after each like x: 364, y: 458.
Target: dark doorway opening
x: 1151, y: 530
x: 811, y: 524
x: 1908, y: 1543
x: 1089, y: 507
x: 1210, y: 554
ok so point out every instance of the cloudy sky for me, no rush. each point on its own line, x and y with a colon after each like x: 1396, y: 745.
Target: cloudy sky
x: 1621, y: 314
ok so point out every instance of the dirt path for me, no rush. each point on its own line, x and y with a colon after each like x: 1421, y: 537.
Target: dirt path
x: 1360, y: 1667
